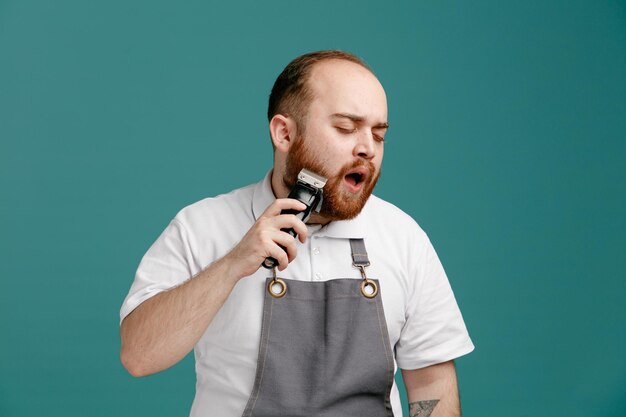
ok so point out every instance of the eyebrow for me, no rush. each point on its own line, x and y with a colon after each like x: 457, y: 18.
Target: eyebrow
x: 359, y: 119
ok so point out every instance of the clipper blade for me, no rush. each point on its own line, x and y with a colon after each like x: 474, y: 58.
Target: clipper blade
x: 311, y: 178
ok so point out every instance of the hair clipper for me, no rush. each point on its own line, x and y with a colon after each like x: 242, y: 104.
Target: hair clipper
x: 308, y: 190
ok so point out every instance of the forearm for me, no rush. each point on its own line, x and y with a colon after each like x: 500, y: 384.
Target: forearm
x: 163, y: 329
x: 433, y: 391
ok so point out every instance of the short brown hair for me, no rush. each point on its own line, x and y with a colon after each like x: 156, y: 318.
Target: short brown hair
x: 290, y: 94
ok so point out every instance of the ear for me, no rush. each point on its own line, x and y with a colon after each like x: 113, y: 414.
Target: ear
x: 282, y: 131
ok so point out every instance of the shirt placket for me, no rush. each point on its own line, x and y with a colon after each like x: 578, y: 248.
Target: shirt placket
x: 317, y: 273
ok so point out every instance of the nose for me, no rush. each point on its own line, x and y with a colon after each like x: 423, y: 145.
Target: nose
x: 365, y: 147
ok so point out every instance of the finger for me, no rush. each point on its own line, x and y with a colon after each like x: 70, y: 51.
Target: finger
x: 281, y: 204
x: 288, y: 243
x: 290, y: 221
x: 280, y: 255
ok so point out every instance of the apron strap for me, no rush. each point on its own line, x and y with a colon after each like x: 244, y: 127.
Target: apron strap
x: 359, y: 253
x: 360, y: 260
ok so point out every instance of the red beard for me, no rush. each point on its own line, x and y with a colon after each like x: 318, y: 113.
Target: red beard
x: 338, y: 203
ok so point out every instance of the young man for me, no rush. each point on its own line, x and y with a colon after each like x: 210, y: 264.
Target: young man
x: 328, y: 346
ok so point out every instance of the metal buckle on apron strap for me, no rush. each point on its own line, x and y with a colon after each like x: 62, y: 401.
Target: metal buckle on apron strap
x: 276, y: 282
x: 361, y: 261
x: 367, y: 283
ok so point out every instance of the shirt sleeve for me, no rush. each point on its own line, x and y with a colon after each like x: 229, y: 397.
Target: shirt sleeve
x: 434, y: 331
x: 164, y: 266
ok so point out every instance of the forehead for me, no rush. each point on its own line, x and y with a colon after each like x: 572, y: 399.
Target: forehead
x: 340, y: 86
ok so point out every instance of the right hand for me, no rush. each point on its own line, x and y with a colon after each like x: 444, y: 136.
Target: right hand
x: 265, y: 239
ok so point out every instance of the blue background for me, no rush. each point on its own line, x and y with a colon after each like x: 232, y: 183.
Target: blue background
x: 507, y: 145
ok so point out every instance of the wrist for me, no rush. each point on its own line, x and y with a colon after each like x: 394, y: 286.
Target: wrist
x: 229, y: 268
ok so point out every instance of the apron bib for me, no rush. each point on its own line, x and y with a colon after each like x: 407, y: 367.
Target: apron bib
x: 324, y: 349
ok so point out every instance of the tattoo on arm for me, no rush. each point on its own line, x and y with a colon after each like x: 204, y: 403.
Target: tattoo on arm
x: 422, y: 408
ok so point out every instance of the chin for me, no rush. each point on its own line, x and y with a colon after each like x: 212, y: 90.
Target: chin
x: 344, y: 205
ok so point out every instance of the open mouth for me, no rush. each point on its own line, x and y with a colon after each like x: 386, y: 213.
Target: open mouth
x: 355, y: 179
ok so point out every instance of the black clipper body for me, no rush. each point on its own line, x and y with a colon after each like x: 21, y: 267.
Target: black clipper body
x: 308, y: 190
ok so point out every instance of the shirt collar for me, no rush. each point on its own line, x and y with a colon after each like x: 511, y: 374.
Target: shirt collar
x: 356, y: 228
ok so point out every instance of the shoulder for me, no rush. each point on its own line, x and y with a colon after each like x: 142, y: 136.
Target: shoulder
x: 221, y: 209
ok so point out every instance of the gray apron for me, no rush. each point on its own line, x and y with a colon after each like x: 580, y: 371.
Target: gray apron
x: 324, y: 348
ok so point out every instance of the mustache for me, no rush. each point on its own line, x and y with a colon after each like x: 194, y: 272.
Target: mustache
x: 371, y: 169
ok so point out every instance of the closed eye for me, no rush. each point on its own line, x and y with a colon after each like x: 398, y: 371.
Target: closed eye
x: 348, y: 130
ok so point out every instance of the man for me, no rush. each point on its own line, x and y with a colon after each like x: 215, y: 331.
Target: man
x: 330, y: 345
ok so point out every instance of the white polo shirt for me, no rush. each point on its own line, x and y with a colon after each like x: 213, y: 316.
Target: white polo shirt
x: 424, y: 322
